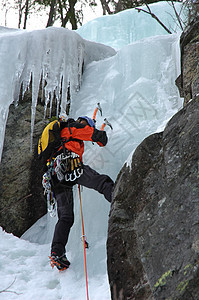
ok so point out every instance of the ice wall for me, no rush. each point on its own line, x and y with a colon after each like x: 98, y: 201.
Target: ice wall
x: 136, y: 89
x: 129, y: 26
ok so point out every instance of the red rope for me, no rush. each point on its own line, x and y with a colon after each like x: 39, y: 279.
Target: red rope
x: 84, y: 244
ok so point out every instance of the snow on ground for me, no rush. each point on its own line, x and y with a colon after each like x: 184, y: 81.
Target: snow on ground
x: 24, y: 266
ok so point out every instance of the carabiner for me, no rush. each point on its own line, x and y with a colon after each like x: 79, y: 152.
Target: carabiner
x: 67, y: 177
x: 80, y: 172
x: 73, y: 176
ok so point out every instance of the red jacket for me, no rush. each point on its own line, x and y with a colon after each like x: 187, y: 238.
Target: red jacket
x: 76, y: 133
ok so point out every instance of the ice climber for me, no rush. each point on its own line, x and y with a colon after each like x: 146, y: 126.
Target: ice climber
x: 65, y: 169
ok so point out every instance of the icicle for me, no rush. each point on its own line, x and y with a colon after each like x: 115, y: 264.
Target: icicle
x: 3, y: 119
x: 35, y: 92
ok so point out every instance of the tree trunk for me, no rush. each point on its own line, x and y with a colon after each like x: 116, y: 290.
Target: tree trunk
x: 52, y: 13
x: 26, y: 13
x: 73, y: 20
x: 70, y: 15
x: 61, y: 12
x: 20, y: 14
x: 105, y: 7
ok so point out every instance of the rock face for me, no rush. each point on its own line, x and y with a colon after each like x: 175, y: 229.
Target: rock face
x: 153, y: 240
x: 153, y: 234
x: 21, y: 195
x: 188, y: 82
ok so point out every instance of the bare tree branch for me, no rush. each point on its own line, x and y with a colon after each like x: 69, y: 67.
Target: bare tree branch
x: 177, y: 15
x: 153, y: 16
x: 7, y: 291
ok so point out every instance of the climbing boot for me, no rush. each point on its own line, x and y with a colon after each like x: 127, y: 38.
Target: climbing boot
x: 61, y: 262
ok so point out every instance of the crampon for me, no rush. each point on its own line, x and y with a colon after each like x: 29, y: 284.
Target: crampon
x: 61, y: 262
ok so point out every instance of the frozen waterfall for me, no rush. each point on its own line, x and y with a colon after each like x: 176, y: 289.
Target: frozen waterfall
x: 137, y: 92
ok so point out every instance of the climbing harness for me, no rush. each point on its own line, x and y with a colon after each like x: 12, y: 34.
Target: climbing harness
x: 85, y: 244
x: 68, y: 166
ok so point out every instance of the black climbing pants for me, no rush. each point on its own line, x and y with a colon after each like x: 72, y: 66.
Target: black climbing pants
x: 64, y: 197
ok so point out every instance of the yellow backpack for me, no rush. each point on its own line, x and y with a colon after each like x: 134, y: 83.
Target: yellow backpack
x: 50, y: 136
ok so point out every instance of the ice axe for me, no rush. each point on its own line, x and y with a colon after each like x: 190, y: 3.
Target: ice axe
x: 106, y: 122
x: 98, y: 107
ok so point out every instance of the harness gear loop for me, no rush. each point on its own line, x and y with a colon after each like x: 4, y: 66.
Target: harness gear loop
x: 68, y: 166
x: 84, y: 242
